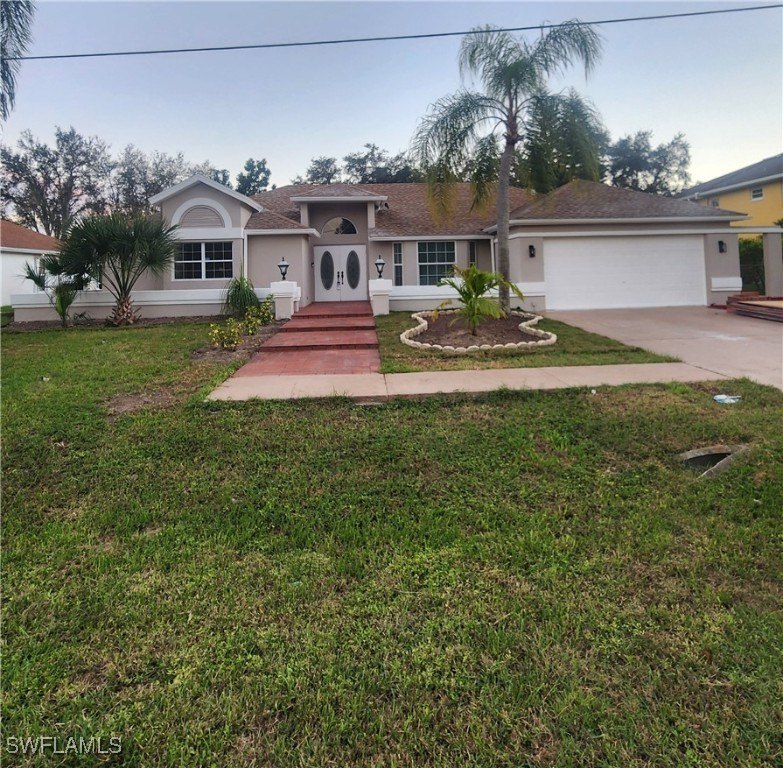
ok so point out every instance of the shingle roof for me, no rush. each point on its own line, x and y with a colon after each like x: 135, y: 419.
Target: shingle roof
x: 339, y: 190
x: 271, y: 220
x: 15, y: 236
x: 408, y: 212
x: 771, y: 166
x: 592, y: 200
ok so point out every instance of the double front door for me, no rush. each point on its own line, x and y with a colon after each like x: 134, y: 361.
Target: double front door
x: 340, y: 272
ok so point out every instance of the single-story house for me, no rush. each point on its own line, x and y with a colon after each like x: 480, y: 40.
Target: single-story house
x: 20, y: 246
x: 583, y: 246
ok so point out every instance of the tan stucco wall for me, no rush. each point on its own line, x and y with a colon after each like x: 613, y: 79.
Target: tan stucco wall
x: 265, y: 251
x: 320, y: 213
x: 717, y: 264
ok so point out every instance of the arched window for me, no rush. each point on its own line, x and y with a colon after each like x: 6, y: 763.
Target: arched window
x: 339, y: 226
x: 201, y: 216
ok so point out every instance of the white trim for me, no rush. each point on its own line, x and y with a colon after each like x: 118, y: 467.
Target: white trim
x: 25, y: 251
x: 417, y: 238
x: 199, y: 178
x: 441, y: 292
x: 741, y: 185
x: 726, y: 283
x: 203, y: 262
x: 339, y: 199
x: 143, y: 298
x: 419, y: 263
x: 282, y: 232
x: 209, y: 233
x: 642, y: 220
x: 647, y: 232
x: 192, y: 203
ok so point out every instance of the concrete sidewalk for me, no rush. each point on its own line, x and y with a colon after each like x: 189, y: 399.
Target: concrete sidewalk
x: 378, y: 386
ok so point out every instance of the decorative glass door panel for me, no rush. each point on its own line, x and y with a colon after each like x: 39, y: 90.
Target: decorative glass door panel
x: 340, y: 273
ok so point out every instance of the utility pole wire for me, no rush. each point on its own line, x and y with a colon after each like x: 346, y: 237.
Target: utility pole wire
x: 423, y: 36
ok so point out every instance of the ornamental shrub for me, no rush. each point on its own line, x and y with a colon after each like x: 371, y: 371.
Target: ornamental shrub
x: 226, y: 335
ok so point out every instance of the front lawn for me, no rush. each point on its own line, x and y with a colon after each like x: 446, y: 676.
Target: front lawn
x: 574, y: 347
x: 527, y: 579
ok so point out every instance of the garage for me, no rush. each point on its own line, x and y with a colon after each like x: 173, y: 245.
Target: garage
x: 617, y: 272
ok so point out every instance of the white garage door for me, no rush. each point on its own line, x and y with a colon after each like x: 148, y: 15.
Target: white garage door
x: 607, y: 272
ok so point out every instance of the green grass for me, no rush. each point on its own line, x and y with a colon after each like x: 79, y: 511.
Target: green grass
x: 521, y: 580
x: 6, y: 315
x: 574, y: 347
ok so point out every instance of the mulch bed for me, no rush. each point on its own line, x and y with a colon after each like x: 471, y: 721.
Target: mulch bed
x: 450, y: 331
x: 249, y: 346
x: 92, y: 324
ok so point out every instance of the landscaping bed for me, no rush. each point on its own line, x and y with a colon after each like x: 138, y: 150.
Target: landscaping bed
x: 516, y: 579
x: 574, y: 347
x: 448, y: 332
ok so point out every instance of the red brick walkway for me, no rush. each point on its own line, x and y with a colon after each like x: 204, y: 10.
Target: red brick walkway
x: 322, y: 338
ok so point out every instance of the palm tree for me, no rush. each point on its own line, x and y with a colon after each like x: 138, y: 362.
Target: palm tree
x: 116, y: 250
x: 50, y: 277
x: 464, y: 130
x: 16, y: 21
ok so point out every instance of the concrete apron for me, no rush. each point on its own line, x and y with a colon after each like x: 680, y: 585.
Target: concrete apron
x: 378, y: 387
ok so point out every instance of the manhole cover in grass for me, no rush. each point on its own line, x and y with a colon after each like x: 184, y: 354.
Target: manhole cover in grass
x: 712, y: 460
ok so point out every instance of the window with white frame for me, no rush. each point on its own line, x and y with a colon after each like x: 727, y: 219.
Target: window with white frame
x: 472, y: 253
x: 204, y: 261
x: 436, y: 260
x: 397, y: 250
x: 757, y: 193
x: 715, y: 202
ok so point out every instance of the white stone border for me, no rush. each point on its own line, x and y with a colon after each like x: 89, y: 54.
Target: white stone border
x: 546, y: 338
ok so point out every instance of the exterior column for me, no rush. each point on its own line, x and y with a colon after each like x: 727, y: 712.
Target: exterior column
x: 379, y: 296
x: 773, y: 264
x: 286, y: 295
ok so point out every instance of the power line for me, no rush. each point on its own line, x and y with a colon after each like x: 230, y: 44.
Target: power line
x: 423, y: 36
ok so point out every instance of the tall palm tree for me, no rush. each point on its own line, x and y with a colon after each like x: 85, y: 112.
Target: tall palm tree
x: 116, y: 250
x: 480, y: 130
x: 16, y: 21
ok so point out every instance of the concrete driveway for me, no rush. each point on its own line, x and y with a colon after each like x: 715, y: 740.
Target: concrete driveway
x: 711, y: 339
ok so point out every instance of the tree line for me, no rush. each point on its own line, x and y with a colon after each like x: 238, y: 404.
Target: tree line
x: 47, y: 188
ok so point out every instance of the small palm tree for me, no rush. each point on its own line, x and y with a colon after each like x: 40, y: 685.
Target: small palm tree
x: 473, y: 288
x: 60, y: 288
x: 116, y: 250
x: 466, y: 129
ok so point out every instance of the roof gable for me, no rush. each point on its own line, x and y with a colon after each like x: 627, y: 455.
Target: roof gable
x: 586, y: 200
x: 199, y: 178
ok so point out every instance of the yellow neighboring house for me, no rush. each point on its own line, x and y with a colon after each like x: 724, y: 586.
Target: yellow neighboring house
x: 756, y: 190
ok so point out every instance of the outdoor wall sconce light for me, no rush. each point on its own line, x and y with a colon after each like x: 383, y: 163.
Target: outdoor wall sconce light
x: 531, y: 251
x: 379, y: 265
x: 283, y: 265
x: 722, y: 246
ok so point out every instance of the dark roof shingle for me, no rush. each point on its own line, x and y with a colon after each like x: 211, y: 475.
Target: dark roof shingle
x: 592, y: 200
x: 408, y: 212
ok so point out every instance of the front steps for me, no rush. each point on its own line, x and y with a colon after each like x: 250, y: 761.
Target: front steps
x: 322, y: 338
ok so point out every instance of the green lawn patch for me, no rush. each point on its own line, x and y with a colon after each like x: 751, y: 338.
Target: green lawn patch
x: 524, y: 579
x: 574, y: 347
x: 6, y: 315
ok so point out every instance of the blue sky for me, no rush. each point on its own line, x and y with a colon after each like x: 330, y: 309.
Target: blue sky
x: 716, y: 79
